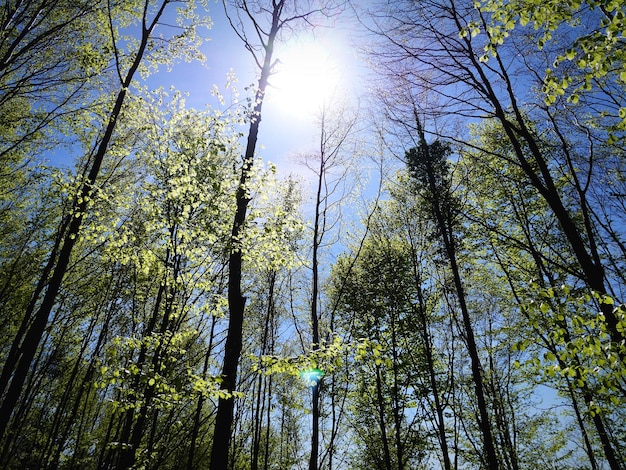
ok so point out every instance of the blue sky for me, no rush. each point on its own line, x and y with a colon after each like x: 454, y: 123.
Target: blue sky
x: 283, y: 132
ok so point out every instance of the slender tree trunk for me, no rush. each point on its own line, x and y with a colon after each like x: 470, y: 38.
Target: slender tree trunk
x: 502, y: 421
x: 609, y: 451
x: 16, y: 346
x: 268, y: 423
x: 484, y: 423
x: 198, y: 414
x: 428, y: 353
x: 134, y: 433
x: 126, y: 456
x: 84, y: 388
x: 447, y: 235
x: 105, y: 455
x: 397, y: 415
x: 430, y: 364
x: 317, y: 233
x: 315, y: 434
x: 63, y: 421
x: 381, y: 420
x: 236, y: 300
x: 261, y: 387
x: 330, y: 145
x: 581, y: 425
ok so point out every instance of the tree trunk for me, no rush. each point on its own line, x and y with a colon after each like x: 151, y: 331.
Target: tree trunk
x: 198, y: 414
x: 447, y: 236
x: 430, y: 364
x: 381, y: 420
x: 236, y: 300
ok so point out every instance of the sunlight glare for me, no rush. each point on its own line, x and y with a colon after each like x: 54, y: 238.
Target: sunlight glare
x: 305, y: 79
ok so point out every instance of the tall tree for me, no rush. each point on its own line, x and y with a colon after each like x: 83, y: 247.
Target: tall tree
x: 267, y: 22
x: 428, y: 165
x: 330, y: 166
x: 528, y: 249
x: 29, y: 335
x: 377, y: 296
x: 439, y: 47
x: 412, y: 221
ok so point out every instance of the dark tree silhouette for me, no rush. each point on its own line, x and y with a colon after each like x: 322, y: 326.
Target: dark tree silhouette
x: 428, y: 166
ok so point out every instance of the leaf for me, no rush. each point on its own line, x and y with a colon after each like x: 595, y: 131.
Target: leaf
x: 607, y: 300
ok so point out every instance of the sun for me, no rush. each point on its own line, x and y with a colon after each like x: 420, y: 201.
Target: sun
x: 306, y: 77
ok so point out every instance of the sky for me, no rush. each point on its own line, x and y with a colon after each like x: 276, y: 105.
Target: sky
x: 312, y: 63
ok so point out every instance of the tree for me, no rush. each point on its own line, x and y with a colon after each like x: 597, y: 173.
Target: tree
x: 439, y: 48
x: 36, y: 317
x: 330, y: 166
x: 427, y: 164
x: 530, y: 252
x: 185, y: 205
x: 161, y: 297
x: 279, y: 17
x: 271, y: 247
x: 378, y: 294
x: 412, y: 219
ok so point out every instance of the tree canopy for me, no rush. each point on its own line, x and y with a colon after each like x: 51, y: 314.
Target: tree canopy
x: 437, y: 282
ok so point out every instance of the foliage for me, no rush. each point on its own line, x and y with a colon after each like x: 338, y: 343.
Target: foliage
x: 588, y: 35
x: 583, y: 351
x: 480, y: 260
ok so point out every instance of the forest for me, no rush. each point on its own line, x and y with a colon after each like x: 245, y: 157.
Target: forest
x: 443, y: 289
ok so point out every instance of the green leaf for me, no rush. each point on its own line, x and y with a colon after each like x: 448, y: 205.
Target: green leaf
x: 607, y: 300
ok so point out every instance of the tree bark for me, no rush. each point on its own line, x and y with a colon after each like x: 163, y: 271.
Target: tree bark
x: 236, y: 300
